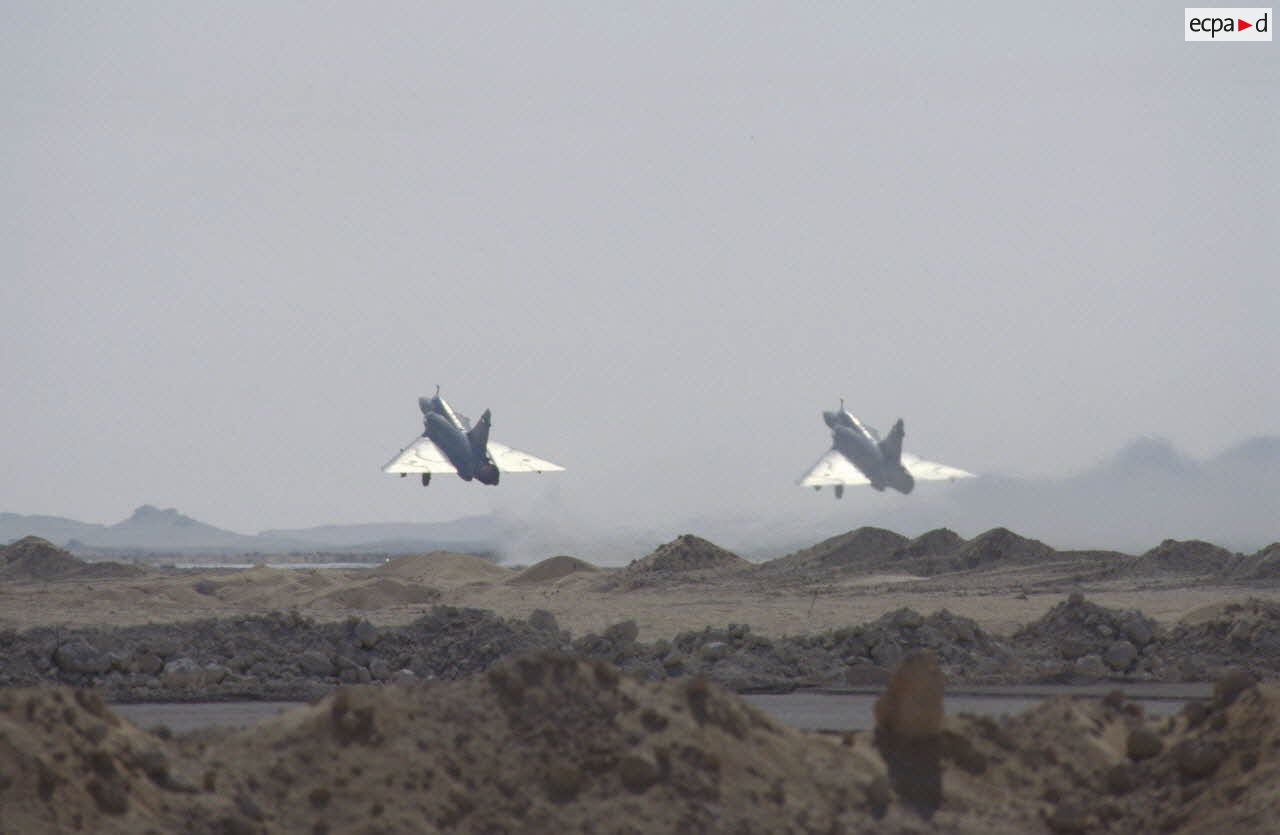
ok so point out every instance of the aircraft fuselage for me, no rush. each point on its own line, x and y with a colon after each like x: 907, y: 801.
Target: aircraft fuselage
x: 879, y: 461
x: 466, y: 451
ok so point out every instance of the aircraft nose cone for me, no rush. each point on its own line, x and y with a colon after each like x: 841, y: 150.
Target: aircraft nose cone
x: 830, y: 419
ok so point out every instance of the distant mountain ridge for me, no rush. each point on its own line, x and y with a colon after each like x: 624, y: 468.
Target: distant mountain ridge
x: 1143, y: 494
x: 155, y: 530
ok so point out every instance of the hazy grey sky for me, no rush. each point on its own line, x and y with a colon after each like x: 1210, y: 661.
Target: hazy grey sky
x: 239, y: 240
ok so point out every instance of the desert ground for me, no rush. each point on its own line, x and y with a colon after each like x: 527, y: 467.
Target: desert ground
x: 455, y: 694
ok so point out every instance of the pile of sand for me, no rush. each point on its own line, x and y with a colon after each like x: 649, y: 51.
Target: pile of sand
x: 68, y: 764
x: 543, y: 744
x: 547, y: 743
x: 997, y: 548
x: 865, y: 549
x: 444, y: 568
x: 874, y: 550
x: 1191, y: 558
x: 687, y: 553
x: 939, y: 542
x: 1264, y: 565
x: 32, y: 558
x: 685, y: 559
x: 552, y: 569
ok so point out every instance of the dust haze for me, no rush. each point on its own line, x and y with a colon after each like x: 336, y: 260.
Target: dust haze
x: 240, y: 241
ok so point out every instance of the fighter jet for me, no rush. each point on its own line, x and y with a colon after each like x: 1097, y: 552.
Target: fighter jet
x: 859, y: 456
x: 450, y: 444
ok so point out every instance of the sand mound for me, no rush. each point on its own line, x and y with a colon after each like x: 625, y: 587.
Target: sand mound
x: 938, y: 542
x: 67, y: 764
x: 444, y: 567
x: 1000, y: 546
x: 33, y: 558
x: 1264, y: 565
x: 1222, y: 759
x: 863, y: 548
x: 379, y: 593
x: 687, y: 553
x: 938, y: 551
x: 552, y: 569
x: 546, y: 743
x: 543, y: 744
x: 996, y: 548
x: 1189, y: 558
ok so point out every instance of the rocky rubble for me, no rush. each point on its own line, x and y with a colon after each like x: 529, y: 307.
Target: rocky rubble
x: 284, y: 655
x: 1236, y: 636
x: 855, y: 655
x: 281, y: 655
x: 1078, y: 640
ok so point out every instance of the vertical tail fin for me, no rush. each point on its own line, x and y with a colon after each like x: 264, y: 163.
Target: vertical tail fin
x: 479, y: 434
x: 891, y: 446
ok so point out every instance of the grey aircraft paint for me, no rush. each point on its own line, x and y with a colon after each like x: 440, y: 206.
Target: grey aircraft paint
x: 449, y: 444
x: 879, y: 460
x: 858, y: 455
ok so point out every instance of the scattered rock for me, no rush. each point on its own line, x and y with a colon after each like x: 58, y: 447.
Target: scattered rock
x: 623, y: 633
x: 182, y: 673
x: 78, y: 656
x: 1120, y: 655
x: 365, y: 633
x: 315, y: 663
x: 544, y: 621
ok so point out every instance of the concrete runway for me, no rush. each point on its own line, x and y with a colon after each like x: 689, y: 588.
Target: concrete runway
x: 807, y: 710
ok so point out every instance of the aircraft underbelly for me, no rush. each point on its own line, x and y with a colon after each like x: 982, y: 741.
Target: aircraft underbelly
x: 454, y: 444
x: 862, y: 454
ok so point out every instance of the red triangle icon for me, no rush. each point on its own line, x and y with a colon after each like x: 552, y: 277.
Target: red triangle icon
x: 1243, y: 26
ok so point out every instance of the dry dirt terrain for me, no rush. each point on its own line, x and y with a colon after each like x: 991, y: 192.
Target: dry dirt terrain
x: 551, y: 743
x: 459, y: 695
x: 1000, y: 580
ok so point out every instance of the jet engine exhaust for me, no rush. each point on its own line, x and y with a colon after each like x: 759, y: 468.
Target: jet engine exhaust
x: 487, y: 474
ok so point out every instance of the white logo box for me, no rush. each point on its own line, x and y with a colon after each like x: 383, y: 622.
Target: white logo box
x: 1211, y: 25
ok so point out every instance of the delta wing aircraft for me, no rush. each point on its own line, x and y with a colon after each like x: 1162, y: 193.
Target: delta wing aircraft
x: 450, y: 444
x: 859, y: 456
